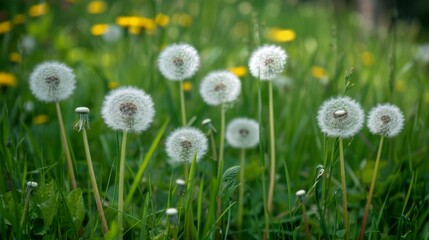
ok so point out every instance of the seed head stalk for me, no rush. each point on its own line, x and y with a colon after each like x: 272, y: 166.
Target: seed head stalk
x: 241, y: 192
x: 182, y: 104
x: 94, y: 183
x: 272, y: 149
x: 66, y: 146
x: 371, y: 190
x: 343, y: 183
x: 222, y: 141
x: 121, y: 186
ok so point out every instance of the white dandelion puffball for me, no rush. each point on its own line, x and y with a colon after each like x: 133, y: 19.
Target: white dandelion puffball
x: 178, y: 62
x: 267, y: 62
x: 242, y: 133
x: 340, y: 117
x: 220, y: 87
x: 386, y: 120
x: 52, y: 82
x: 129, y: 109
x: 183, y: 143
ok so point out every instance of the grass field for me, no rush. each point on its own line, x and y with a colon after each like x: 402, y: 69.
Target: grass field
x: 116, y: 43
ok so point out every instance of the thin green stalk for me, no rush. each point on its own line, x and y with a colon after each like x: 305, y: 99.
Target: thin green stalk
x: 66, y: 146
x: 307, y: 229
x: 241, y: 190
x: 343, y: 183
x: 222, y: 141
x: 182, y: 104
x: 94, y: 183
x: 272, y: 149
x: 26, y: 202
x: 121, y: 186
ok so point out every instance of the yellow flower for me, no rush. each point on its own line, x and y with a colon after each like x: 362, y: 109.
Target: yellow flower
x: 134, y: 30
x: 99, y: 29
x: 187, y: 86
x: 238, y: 71
x: 318, y: 72
x: 40, y: 119
x: 15, y: 57
x: 182, y: 19
x: 367, y: 58
x: 7, y: 79
x: 19, y: 19
x: 426, y: 97
x: 5, y: 27
x: 135, y: 23
x: 280, y: 35
x: 162, y: 19
x: 113, y: 84
x: 96, y: 7
x: 400, y: 86
x: 38, y: 10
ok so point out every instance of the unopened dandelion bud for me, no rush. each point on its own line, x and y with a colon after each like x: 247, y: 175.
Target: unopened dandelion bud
x: 172, y: 215
x: 83, y: 121
x: 31, y: 184
x: 301, y: 195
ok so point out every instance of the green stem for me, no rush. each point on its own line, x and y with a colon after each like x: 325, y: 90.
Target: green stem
x: 121, y: 186
x: 66, y: 146
x: 343, y: 183
x: 222, y: 141
x: 307, y: 229
x: 24, y: 212
x: 371, y: 190
x: 272, y: 149
x: 94, y: 183
x: 182, y: 104
x: 241, y: 193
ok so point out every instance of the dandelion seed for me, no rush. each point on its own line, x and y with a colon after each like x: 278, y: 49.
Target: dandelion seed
x: 52, y: 82
x: 386, y: 120
x: 184, y: 142
x: 242, y: 133
x: 178, y: 62
x: 340, y: 117
x: 267, y: 62
x: 129, y: 109
x: 220, y: 87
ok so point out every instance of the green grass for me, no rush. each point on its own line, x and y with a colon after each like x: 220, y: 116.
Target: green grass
x: 224, y: 36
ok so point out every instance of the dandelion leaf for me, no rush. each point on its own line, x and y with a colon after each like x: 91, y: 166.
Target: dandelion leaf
x: 72, y: 211
x: 46, y: 201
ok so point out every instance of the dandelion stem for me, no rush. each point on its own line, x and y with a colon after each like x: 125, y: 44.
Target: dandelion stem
x: 241, y: 193
x: 371, y: 190
x: 26, y: 202
x: 222, y: 141
x: 307, y: 229
x: 272, y: 149
x: 343, y: 183
x: 121, y: 186
x: 182, y: 104
x: 66, y: 146
x: 94, y: 183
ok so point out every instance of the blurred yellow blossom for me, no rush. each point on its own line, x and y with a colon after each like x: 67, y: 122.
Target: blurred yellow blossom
x: 318, y: 72
x: 135, y: 23
x: 99, y: 29
x: 40, y: 119
x: 280, y: 35
x: 38, y: 10
x: 19, y: 19
x: 113, y: 85
x: 238, y: 71
x: 182, y: 19
x: 162, y: 19
x: 15, y: 57
x: 5, y: 27
x: 187, y: 86
x: 367, y: 58
x: 426, y: 97
x: 134, y: 30
x: 96, y: 7
x: 7, y: 79
x: 400, y: 86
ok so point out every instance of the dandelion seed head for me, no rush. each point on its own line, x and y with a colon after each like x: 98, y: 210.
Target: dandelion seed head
x: 184, y: 142
x: 386, y: 120
x: 178, y: 62
x: 220, y: 87
x: 129, y: 109
x: 52, y: 82
x: 267, y: 62
x: 340, y: 117
x: 171, y: 211
x: 242, y: 133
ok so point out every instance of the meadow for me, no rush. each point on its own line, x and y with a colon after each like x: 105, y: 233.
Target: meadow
x: 112, y: 44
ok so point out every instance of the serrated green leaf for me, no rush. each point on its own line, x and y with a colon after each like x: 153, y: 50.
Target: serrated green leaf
x: 46, y: 201
x: 72, y: 213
